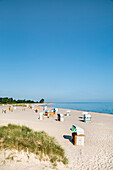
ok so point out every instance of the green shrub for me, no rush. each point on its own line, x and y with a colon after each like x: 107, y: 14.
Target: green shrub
x: 39, y: 143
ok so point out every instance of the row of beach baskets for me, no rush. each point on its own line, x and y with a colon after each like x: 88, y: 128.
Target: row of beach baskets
x: 53, y: 113
x: 60, y: 117
x: 77, y: 136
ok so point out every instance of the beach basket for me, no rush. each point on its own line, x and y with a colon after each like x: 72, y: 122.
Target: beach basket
x: 51, y: 115
x: 77, y: 139
x: 35, y: 110
x: 41, y: 116
x: 68, y: 113
x: 23, y: 109
x: 46, y: 113
x: 3, y: 110
x: 87, y: 118
x: 77, y: 135
x: 60, y: 117
x: 11, y: 109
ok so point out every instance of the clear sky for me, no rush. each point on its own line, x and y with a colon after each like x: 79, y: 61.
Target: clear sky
x: 61, y: 50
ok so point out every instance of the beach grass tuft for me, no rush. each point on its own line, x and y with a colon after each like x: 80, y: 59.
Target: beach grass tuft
x: 40, y: 143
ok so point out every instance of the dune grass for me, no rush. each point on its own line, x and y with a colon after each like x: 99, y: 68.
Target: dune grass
x: 23, y: 138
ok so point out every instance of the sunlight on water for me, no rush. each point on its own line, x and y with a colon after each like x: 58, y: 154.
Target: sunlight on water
x: 102, y: 107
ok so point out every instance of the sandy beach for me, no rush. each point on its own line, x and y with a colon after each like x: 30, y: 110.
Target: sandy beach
x: 96, y: 154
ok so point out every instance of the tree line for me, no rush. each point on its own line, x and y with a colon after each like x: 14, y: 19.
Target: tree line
x: 6, y: 100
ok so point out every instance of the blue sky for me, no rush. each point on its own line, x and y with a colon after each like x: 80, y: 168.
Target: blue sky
x: 60, y: 50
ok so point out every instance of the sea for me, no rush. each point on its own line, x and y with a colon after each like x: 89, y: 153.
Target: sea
x: 100, y: 107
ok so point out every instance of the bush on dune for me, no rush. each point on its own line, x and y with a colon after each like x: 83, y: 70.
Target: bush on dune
x: 40, y: 143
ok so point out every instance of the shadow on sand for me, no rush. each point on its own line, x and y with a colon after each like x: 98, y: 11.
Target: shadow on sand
x: 81, y: 120
x: 80, y: 117
x: 67, y: 137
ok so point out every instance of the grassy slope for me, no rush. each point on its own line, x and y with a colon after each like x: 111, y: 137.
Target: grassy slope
x: 39, y: 143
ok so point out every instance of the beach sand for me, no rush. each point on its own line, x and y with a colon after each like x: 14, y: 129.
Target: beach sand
x: 96, y: 154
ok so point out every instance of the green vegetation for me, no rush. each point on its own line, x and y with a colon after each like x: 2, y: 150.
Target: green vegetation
x: 7, y: 100
x: 42, y: 101
x: 39, y: 143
